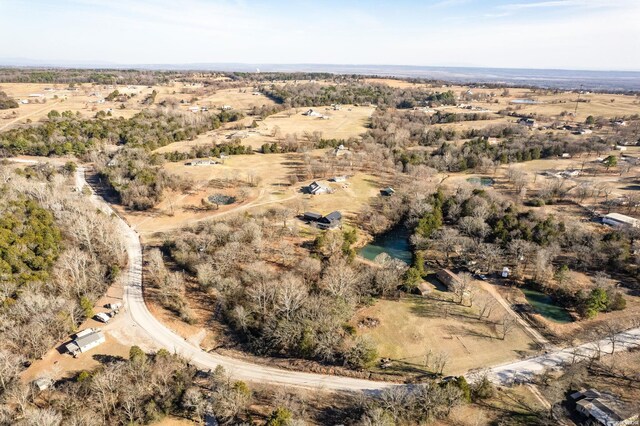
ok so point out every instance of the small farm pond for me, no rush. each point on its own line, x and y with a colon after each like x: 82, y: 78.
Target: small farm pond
x: 481, y: 180
x: 544, y: 305
x: 221, y: 199
x: 394, y: 242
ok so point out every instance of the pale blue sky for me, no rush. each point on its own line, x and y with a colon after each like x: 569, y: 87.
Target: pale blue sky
x: 571, y: 34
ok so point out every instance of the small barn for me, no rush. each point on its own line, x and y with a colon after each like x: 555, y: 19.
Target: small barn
x: 311, y: 216
x: 529, y: 122
x: 620, y: 220
x: 448, y: 278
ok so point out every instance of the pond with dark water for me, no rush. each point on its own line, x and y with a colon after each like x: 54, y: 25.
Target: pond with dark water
x: 545, y: 306
x: 481, y: 180
x: 394, y: 242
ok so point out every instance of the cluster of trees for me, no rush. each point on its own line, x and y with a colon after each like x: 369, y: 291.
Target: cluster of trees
x: 68, y: 133
x: 6, y: 102
x: 452, y: 117
x: 421, y: 404
x: 304, y: 312
x: 206, y: 151
x: 76, y: 76
x: 57, y: 256
x: 140, y: 390
x: 484, y: 228
x: 292, y: 143
x: 136, y: 176
x: 313, y: 94
x: 398, y: 130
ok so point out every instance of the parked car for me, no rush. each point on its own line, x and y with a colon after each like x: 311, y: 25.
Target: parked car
x: 481, y: 277
x: 102, y: 317
x: 113, y: 306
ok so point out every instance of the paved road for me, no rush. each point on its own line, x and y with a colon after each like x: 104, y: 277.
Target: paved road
x: 523, y: 371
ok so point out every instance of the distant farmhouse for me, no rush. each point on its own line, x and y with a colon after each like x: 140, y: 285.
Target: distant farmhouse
x: 312, y: 113
x: 315, y: 188
x: 603, y: 408
x: 200, y: 163
x: 620, y: 220
x: 529, y: 122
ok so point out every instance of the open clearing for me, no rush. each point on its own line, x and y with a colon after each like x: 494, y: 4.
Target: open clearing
x: 269, y: 172
x: 87, y: 99
x: 413, y: 325
x: 345, y: 123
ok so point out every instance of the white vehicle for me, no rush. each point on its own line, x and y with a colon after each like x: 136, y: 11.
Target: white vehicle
x: 113, y: 306
x: 102, y: 317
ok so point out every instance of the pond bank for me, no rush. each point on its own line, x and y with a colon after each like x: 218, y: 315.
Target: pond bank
x: 394, y: 242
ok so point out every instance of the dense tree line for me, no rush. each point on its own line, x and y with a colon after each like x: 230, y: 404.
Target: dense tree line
x: 77, y: 76
x: 214, y: 150
x: 6, y: 102
x: 313, y: 94
x: 140, y: 390
x: 57, y: 256
x: 68, y: 133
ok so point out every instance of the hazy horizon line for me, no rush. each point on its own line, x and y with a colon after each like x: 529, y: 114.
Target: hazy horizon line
x: 186, y: 66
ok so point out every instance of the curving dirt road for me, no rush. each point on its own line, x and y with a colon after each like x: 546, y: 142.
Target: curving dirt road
x: 163, y: 337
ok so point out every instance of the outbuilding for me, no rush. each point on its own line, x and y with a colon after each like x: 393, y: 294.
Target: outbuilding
x: 312, y: 216
x: 316, y: 188
x: 330, y: 221
x: 448, y: 278
x: 620, y: 220
x: 84, y: 341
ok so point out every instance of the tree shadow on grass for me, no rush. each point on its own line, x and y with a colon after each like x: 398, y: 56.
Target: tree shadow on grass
x: 107, y: 359
x: 403, y: 369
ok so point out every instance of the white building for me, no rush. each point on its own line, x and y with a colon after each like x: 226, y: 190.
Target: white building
x: 84, y: 341
x: 312, y: 113
x: 620, y: 220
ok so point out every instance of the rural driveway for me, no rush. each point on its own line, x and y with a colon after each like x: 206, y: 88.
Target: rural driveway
x: 490, y: 288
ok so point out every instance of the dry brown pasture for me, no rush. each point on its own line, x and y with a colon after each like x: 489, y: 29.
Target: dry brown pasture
x: 272, y: 188
x: 350, y: 121
x: 413, y: 325
x: 551, y: 104
x: 82, y: 99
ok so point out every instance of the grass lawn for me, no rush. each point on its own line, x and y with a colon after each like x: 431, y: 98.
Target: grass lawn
x: 412, y: 326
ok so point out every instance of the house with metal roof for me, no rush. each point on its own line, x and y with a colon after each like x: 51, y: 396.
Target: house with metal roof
x: 84, y: 342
